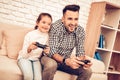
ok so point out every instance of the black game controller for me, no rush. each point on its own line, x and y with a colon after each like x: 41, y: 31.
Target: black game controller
x: 85, y: 61
x: 40, y: 45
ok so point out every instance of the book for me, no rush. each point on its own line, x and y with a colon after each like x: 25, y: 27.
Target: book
x: 119, y: 25
x: 101, y: 41
x: 97, y: 56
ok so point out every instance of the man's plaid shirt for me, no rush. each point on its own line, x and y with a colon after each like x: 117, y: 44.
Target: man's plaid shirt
x: 63, y: 42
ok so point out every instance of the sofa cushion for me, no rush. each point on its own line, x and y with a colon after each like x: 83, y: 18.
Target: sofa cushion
x: 65, y: 76
x: 96, y: 76
x: 9, y: 69
x: 98, y: 66
x: 14, y: 40
x: 2, y: 43
x: 3, y: 48
x: 0, y: 38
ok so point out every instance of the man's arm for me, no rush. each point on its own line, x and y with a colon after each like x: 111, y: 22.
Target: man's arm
x: 72, y: 62
x: 80, y: 41
x: 54, y: 38
x: 80, y: 53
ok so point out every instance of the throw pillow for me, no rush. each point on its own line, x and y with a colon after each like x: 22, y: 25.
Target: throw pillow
x: 2, y: 44
x: 14, y: 40
x: 3, y: 48
x: 0, y: 38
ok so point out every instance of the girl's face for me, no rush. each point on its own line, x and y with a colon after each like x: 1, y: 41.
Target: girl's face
x: 44, y: 24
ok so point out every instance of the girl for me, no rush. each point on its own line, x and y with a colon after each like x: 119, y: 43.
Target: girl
x: 28, y: 59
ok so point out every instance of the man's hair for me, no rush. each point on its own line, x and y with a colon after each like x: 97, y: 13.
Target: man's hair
x: 72, y: 7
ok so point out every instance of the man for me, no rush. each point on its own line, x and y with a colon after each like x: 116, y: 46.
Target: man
x: 65, y: 35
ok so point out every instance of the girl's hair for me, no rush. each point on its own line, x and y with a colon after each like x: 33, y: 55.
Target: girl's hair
x: 40, y: 17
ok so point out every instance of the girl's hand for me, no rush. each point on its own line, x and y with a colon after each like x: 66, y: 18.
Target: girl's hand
x: 31, y: 47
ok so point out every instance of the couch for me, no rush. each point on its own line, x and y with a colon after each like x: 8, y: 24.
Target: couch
x: 11, y: 40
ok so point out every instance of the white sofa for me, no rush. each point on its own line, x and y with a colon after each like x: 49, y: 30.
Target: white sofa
x: 11, y: 40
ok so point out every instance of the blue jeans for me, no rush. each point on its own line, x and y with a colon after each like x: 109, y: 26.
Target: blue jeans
x: 31, y: 69
x: 50, y: 66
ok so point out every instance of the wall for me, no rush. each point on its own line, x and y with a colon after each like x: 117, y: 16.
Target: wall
x: 25, y: 12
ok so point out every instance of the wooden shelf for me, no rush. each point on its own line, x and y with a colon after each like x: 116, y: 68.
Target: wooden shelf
x: 108, y: 27
x: 113, y: 72
x: 104, y: 19
x: 116, y: 51
x: 103, y: 49
x: 118, y: 30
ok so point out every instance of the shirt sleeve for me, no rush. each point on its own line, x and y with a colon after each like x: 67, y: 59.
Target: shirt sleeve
x: 80, y: 42
x: 53, y: 40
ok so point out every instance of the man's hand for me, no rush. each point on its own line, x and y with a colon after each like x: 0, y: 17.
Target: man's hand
x: 73, y: 62
x: 46, y: 50
x: 89, y: 64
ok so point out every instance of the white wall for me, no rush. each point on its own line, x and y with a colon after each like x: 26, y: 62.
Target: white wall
x: 25, y: 12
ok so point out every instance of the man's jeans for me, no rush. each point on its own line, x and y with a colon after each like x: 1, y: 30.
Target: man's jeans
x: 50, y: 66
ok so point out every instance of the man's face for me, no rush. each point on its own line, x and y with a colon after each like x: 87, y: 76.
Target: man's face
x: 70, y: 20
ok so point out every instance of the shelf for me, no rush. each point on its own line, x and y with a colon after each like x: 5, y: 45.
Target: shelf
x: 105, y: 55
x: 119, y: 25
x: 109, y: 36
x: 103, y: 36
x: 113, y: 72
x: 115, y: 61
x: 107, y: 27
x: 103, y: 49
x: 116, y: 51
x: 112, y: 76
x: 118, y: 30
x: 112, y: 17
x: 117, y: 44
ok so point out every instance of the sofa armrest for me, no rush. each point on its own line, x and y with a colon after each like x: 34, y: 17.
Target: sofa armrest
x: 97, y: 69
x: 64, y: 76
x: 98, y: 66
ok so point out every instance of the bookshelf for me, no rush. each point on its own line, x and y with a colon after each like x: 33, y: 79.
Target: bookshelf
x: 104, y: 18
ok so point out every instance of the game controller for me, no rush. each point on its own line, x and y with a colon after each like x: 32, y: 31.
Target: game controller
x: 40, y: 45
x: 85, y: 61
